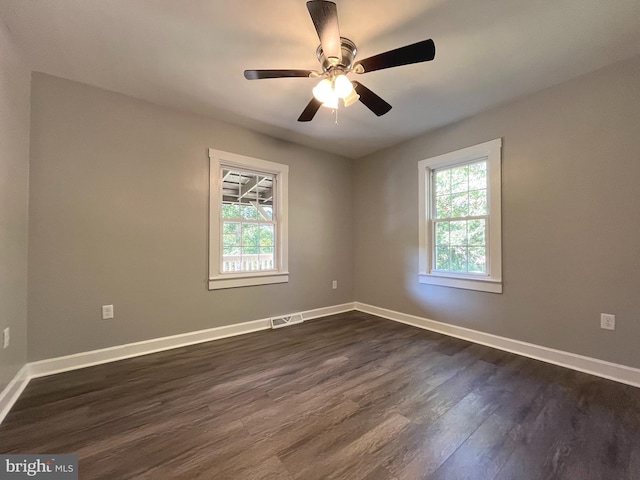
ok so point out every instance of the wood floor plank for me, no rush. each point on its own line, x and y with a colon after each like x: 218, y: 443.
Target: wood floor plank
x: 426, y: 448
x: 351, y: 397
x: 483, y: 454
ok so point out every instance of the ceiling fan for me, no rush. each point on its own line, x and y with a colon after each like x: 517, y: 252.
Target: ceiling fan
x: 336, y: 54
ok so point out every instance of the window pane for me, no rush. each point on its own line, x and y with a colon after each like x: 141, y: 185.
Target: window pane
x: 458, y: 259
x: 442, y: 258
x: 477, y: 232
x: 267, y: 212
x: 267, y: 258
x: 267, y: 237
x: 477, y: 260
x: 458, y: 234
x: 252, y: 187
x: 478, y: 176
x: 264, y: 187
x: 443, y: 206
x: 477, y: 202
x: 443, y: 182
x: 230, y: 228
x: 231, y: 240
x: 249, y: 212
x: 460, y: 179
x: 230, y: 210
x: 460, y: 205
x: 442, y: 233
x: 247, y: 184
x: 250, y: 234
x: 231, y: 234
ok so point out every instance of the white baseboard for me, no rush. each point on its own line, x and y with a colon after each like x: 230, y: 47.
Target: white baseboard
x: 593, y: 366
x: 12, y: 392
x: 76, y: 361
x: 326, y: 311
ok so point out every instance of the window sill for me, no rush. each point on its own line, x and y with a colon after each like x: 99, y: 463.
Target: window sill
x: 248, y: 280
x: 479, y: 284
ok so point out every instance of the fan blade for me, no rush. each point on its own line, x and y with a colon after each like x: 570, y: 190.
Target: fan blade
x: 260, y: 74
x: 325, y: 19
x: 310, y: 111
x: 415, y: 53
x: 372, y: 101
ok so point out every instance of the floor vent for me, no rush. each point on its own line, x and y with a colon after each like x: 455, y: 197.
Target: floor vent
x: 279, y: 322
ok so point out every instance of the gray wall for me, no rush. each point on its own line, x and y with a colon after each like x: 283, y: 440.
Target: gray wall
x: 14, y: 177
x: 571, y: 219
x: 118, y: 215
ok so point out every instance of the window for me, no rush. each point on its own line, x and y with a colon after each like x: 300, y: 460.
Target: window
x: 460, y: 219
x: 248, y: 221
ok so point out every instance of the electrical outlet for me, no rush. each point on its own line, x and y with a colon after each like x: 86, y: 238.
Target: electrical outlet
x: 334, y: 285
x: 6, y: 335
x: 607, y: 321
x: 107, y: 312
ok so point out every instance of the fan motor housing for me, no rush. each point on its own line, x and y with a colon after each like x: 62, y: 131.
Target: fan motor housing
x: 349, y: 52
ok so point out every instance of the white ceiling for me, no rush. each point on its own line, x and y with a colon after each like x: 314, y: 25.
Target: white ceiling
x: 191, y: 54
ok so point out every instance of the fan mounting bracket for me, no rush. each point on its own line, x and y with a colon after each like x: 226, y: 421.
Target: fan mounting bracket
x: 348, y: 50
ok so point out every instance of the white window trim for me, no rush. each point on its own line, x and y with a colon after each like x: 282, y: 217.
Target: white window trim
x: 493, y: 281
x: 218, y: 280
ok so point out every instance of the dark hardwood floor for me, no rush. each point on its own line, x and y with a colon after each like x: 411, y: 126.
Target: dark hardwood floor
x: 347, y: 397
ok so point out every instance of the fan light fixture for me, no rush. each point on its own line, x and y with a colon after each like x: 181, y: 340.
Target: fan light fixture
x: 330, y: 91
x: 336, y: 55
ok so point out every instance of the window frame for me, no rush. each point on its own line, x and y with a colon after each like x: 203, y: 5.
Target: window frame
x: 218, y: 160
x: 492, y: 280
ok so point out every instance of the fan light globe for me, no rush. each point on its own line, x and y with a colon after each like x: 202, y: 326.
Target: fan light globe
x: 323, y: 91
x: 352, y: 98
x: 342, y: 86
x: 331, y: 103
